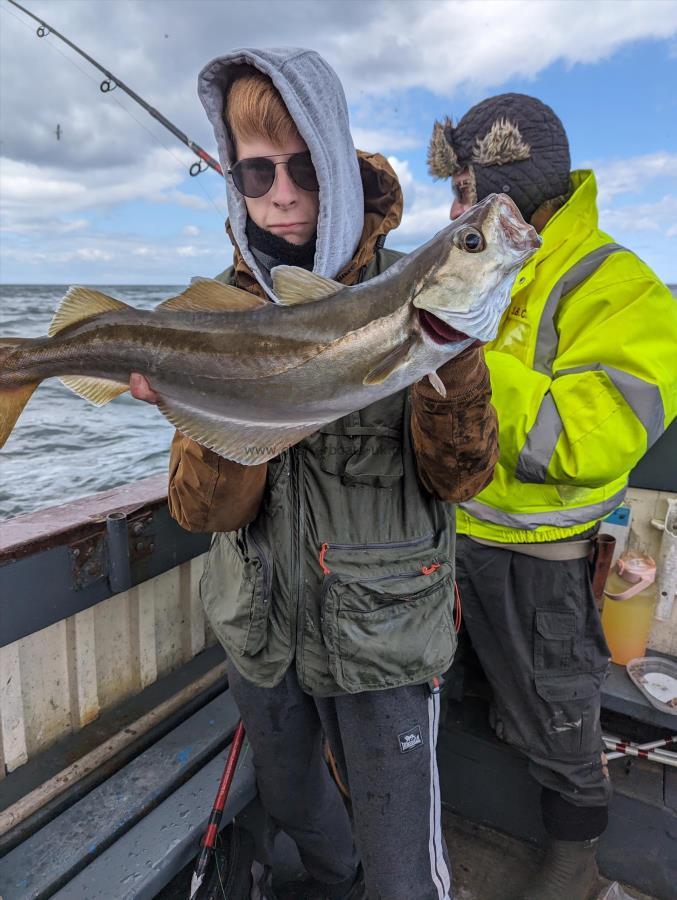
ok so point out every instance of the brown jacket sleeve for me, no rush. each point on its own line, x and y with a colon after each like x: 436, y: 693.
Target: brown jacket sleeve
x: 455, y: 437
x: 209, y: 493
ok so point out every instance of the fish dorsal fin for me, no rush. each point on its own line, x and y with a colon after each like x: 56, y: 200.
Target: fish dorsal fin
x: 293, y: 285
x: 98, y: 391
x: 82, y: 303
x: 395, y: 360
x: 247, y: 443
x: 205, y: 295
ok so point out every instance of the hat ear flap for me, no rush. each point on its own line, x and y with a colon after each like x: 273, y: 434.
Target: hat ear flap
x: 442, y: 159
x: 502, y: 144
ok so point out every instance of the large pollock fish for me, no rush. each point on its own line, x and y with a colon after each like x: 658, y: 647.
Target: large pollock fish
x: 248, y: 378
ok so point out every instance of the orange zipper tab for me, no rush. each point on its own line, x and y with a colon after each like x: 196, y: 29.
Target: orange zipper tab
x: 323, y: 553
x: 428, y: 570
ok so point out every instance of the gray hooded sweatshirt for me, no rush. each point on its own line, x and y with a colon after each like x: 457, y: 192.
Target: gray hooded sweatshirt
x: 314, y: 97
x: 351, y: 491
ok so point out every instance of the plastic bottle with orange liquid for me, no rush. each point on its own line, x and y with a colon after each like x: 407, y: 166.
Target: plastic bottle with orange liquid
x: 629, y: 606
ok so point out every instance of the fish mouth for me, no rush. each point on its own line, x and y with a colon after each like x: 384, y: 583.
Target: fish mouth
x: 439, y: 331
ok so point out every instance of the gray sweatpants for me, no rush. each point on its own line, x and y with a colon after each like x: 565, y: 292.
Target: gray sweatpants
x: 384, y: 746
x: 534, y: 626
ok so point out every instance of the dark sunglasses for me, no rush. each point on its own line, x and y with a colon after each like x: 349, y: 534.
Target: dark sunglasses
x: 254, y: 177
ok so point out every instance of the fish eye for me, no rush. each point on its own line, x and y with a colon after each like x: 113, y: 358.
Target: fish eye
x: 469, y: 239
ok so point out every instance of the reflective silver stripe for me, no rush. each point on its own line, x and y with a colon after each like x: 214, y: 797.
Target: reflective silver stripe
x: 541, y: 440
x: 540, y: 443
x: 560, y: 518
x: 546, y: 341
x: 643, y: 398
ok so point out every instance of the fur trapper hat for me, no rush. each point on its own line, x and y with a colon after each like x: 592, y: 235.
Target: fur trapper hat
x: 512, y: 144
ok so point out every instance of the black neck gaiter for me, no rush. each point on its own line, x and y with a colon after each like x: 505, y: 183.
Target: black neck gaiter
x: 271, y: 250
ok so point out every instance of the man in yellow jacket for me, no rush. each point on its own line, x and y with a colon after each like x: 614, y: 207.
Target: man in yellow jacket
x: 584, y: 378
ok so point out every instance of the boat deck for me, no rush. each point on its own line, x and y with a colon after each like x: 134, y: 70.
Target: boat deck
x: 487, y: 865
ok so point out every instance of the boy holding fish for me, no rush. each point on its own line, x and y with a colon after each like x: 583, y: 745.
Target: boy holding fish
x: 330, y: 578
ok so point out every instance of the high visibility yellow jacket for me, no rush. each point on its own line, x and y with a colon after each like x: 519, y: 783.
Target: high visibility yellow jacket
x: 584, y: 379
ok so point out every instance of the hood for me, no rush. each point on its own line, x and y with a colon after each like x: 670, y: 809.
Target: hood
x: 383, y: 205
x: 314, y: 97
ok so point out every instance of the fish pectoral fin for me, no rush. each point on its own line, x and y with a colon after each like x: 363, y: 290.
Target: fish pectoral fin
x: 12, y: 402
x: 82, y: 303
x: 394, y: 361
x: 293, y: 285
x: 208, y: 295
x: 98, y: 391
x: 437, y: 383
x: 247, y: 443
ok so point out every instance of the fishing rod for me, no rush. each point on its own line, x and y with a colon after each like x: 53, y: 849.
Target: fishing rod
x: 111, y: 82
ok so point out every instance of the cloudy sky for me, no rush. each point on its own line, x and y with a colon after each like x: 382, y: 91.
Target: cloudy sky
x: 111, y: 202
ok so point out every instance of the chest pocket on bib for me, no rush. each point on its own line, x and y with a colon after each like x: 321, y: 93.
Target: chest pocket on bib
x: 361, y: 451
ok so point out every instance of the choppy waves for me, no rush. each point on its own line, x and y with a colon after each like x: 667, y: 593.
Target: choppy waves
x: 63, y: 447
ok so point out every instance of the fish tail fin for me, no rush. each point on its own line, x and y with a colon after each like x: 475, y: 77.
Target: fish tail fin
x: 12, y: 402
x: 82, y: 303
x: 12, y: 398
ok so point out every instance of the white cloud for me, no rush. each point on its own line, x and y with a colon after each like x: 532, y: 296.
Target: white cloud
x: 631, y: 175
x: 80, y: 254
x: 426, y: 207
x: 27, y: 187
x: 162, y: 261
x: 46, y: 226
x: 190, y: 201
x: 383, y: 140
x: 191, y: 251
x: 111, y: 152
x: 438, y: 45
x: 444, y: 44
x: 659, y: 216
x: 402, y: 170
x: 620, y: 179
x: 191, y: 230
x: 92, y: 254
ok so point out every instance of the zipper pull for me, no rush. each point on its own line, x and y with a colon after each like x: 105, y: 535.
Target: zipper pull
x: 435, y: 684
x: 323, y: 553
x: 428, y: 570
